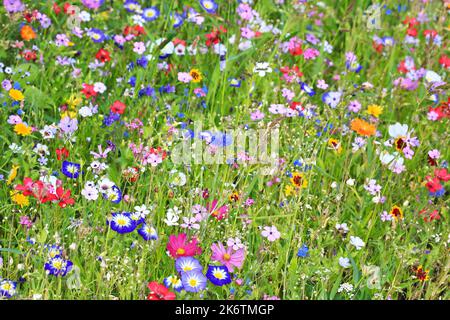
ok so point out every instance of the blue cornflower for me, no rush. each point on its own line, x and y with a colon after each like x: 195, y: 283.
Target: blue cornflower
x: 303, y: 251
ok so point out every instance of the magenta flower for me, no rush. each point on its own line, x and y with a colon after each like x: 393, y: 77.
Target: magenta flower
x: 227, y: 256
x: 218, y: 212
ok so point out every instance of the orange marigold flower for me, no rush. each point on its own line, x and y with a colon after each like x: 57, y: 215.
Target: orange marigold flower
x: 363, y: 128
x: 22, y: 129
x: 27, y: 33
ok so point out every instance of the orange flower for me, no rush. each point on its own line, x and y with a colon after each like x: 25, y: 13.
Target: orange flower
x: 27, y: 33
x: 362, y: 127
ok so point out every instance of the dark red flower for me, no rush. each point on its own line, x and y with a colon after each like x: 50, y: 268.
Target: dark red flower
x: 159, y: 292
x: 103, y: 55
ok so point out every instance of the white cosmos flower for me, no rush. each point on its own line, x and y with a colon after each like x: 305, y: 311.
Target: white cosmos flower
x: 398, y: 130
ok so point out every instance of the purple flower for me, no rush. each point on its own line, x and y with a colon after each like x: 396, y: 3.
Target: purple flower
x: 331, y: 98
x: 92, y: 4
x: 257, y: 115
x: 68, y: 125
x: 6, y: 84
x: 13, y: 6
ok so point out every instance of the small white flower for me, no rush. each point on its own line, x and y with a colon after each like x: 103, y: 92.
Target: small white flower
x: 357, y: 242
x: 262, y: 68
x: 142, y: 210
x: 172, y: 216
x: 344, y: 262
x: 350, y: 182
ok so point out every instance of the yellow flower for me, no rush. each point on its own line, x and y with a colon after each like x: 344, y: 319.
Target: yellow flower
x: 196, y: 75
x: 69, y: 113
x: 234, y: 196
x: 298, y: 180
x: 16, y: 95
x: 374, y: 110
x: 19, y: 199
x: 22, y: 129
x: 288, y: 190
x: 73, y: 101
x: 335, y: 145
x: 12, y: 174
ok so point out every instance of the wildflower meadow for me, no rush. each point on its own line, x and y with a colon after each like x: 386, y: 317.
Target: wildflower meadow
x: 224, y: 150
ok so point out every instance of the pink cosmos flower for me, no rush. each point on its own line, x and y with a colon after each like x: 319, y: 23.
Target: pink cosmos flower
x: 184, y: 77
x: 218, y: 212
x: 179, y: 246
x: 271, y: 233
x: 227, y: 256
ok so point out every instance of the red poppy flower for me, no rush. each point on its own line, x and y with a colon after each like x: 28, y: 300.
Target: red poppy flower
x: 432, y: 33
x: 296, y: 51
x: 88, y: 90
x: 69, y: 9
x: 29, y: 55
x: 63, y: 152
x: 444, y: 61
x: 118, y: 107
x: 442, y: 174
x: 56, y: 8
x: 411, y: 21
x: 377, y: 46
x: 433, y: 185
x: 412, y: 32
x: 103, y: 55
x: 159, y: 292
